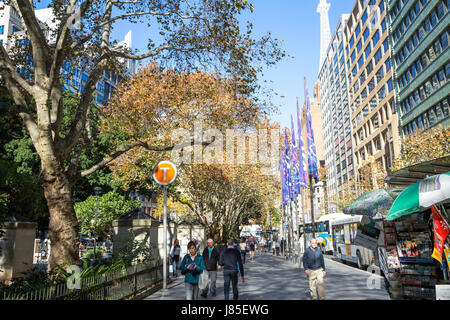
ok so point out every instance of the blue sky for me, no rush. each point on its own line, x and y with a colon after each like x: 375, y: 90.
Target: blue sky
x: 297, y: 23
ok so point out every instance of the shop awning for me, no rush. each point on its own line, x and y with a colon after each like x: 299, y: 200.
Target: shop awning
x: 412, y: 174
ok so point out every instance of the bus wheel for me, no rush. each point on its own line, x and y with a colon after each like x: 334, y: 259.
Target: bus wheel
x: 359, y: 260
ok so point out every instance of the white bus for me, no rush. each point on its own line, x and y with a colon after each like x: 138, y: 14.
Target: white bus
x: 355, y: 240
x: 323, y: 229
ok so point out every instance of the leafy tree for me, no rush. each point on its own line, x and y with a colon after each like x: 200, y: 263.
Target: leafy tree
x: 193, y: 34
x: 423, y: 146
x: 110, y: 207
x: 20, y: 194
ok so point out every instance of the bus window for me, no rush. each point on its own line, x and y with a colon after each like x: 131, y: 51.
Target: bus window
x: 339, y: 234
x: 353, y: 231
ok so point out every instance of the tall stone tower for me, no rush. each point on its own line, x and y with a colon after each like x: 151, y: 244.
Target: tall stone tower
x: 325, y: 32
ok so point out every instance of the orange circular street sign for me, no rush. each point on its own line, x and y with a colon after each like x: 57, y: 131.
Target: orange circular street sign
x: 165, y: 173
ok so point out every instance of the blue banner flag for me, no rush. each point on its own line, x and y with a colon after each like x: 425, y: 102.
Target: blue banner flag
x: 312, y: 157
x: 284, y: 194
x: 295, y: 163
x: 301, y: 153
x: 287, y: 165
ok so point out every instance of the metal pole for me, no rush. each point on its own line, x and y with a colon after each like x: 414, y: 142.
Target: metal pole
x: 95, y: 231
x: 312, y: 205
x: 165, y: 240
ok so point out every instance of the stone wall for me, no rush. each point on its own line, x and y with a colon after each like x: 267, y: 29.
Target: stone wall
x: 17, y: 249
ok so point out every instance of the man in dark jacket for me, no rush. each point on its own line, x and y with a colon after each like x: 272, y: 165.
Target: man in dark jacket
x: 314, y: 266
x: 211, y: 258
x: 230, y: 260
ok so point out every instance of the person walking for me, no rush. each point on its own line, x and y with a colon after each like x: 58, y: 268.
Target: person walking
x: 191, y: 266
x: 277, y: 247
x: 314, y: 266
x: 243, y: 247
x: 175, y: 252
x: 231, y: 261
x: 211, y: 258
x: 251, y: 242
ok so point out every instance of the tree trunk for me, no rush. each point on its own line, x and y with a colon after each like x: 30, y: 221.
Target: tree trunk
x: 63, y: 225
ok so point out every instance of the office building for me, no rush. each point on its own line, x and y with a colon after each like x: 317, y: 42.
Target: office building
x: 369, y: 73
x: 419, y: 33
x: 335, y: 107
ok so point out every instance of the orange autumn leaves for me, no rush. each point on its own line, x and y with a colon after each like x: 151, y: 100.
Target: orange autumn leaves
x: 154, y: 102
x: 423, y: 146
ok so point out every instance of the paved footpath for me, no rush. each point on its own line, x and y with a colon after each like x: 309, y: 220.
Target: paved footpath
x: 273, y: 278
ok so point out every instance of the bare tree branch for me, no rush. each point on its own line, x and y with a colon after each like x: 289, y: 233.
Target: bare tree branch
x: 6, y: 63
x: 41, y: 58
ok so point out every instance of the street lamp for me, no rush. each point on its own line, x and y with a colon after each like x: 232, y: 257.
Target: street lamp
x: 97, y: 191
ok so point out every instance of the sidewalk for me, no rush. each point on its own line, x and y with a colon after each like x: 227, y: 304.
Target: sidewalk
x: 266, y: 278
x: 274, y: 278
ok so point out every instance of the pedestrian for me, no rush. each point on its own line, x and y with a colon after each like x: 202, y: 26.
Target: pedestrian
x: 231, y: 261
x: 251, y: 242
x: 211, y: 258
x: 314, y: 266
x: 191, y: 266
x: 277, y: 247
x: 175, y: 252
x: 244, y: 249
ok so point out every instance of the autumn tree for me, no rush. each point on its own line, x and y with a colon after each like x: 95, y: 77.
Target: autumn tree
x: 423, y: 146
x: 154, y: 105
x: 193, y: 34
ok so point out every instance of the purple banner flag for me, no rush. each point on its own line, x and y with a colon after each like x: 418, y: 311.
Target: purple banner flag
x: 287, y: 166
x: 312, y: 157
x: 301, y: 153
x: 284, y: 194
x: 295, y: 163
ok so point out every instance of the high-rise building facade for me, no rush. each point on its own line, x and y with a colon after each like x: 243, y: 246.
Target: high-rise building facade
x: 9, y: 23
x: 335, y: 106
x: 373, y: 115
x: 419, y: 32
x: 75, y: 75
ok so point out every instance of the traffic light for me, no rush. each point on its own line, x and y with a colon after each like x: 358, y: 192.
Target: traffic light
x: 92, y: 224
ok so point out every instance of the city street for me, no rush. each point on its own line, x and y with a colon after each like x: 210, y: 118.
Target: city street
x: 273, y: 278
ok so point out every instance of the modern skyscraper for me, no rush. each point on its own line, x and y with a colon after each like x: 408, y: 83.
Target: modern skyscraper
x: 9, y: 23
x: 334, y: 102
x: 325, y: 33
x: 419, y: 32
x: 76, y: 75
x: 374, y: 119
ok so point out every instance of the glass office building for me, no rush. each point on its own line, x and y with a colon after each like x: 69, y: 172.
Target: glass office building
x: 336, y: 123
x: 374, y: 118
x: 419, y: 33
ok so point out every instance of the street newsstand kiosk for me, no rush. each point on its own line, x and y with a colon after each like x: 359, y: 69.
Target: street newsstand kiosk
x: 411, y: 271
x: 407, y: 262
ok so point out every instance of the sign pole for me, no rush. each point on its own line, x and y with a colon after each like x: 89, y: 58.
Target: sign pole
x: 165, y: 240
x: 164, y: 174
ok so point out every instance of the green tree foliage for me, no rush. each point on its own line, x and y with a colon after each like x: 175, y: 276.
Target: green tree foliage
x: 110, y: 207
x: 20, y: 194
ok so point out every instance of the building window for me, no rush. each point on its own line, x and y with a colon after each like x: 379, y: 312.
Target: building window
x: 390, y: 85
x: 381, y: 94
x: 368, y: 50
x: 386, y: 45
x: 377, y: 56
x: 388, y: 64
x: 360, y: 62
x: 371, y: 84
x: 375, y: 38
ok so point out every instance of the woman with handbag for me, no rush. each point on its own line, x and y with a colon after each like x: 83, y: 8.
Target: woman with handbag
x: 175, y: 256
x: 191, y: 266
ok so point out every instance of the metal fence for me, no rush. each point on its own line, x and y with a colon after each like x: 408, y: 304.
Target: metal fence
x: 117, y: 285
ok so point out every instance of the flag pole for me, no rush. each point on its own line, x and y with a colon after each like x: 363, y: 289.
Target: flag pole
x: 311, y: 189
